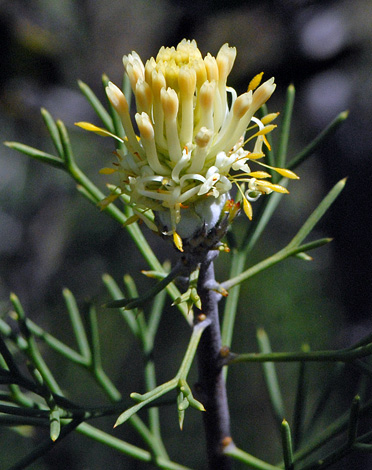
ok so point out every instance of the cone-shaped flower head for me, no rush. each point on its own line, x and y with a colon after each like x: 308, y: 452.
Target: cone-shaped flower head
x: 189, y: 150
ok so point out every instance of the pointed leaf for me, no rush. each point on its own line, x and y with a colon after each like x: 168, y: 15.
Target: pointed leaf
x: 96, y: 105
x: 53, y: 131
x: 317, y: 214
x: 37, y: 154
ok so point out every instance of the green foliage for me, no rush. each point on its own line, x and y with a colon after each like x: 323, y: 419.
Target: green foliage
x: 32, y: 396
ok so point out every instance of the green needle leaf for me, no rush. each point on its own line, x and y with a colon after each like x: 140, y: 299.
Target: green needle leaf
x: 55, y: 424
x: 300, y: 402
x: 116, y: 293
x: 287, y: 445
x: 96, y: 105
x: 129, y: 304
x: 150, y: 396
x: 36, y: 154
x: 53, y: 131
x: 285, y: 127
x: 271, y: 377
x: 77, y: 324
x: 182, y: 405
x: 317, y: 214
x: 66, y: 145
x: 272, y: 260
x: 353, y: 420
x: 310, y: 149
x: 253, y: 462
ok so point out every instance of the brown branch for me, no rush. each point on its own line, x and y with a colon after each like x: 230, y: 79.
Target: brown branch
x: 211, y: 389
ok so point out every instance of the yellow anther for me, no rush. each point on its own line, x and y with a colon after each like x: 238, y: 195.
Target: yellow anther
x: 97, y: 130
x: 287, y: 173
x: 107, y: 171
x: 274, y: 187
x: 266, y: 129
x: 259, y: 174
x: 269, y: 118
x: 131, y: 220
x: 247, y: 207
x: 177, y: 241
x: 256, y: 80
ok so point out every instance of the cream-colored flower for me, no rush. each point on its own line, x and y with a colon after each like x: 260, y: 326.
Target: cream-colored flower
x: 192, y: 132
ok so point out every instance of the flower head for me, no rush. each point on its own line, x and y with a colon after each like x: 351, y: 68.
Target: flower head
x: 192, y: 132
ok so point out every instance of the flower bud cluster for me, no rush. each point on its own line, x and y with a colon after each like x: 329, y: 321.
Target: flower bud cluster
x: 192, y: 131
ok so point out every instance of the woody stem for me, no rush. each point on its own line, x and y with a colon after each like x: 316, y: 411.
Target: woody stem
x: 211, y: 387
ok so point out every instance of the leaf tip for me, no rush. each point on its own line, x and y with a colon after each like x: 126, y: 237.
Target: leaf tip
x: 13, y: 297
x: 66, y: 291
x: 261, y: 332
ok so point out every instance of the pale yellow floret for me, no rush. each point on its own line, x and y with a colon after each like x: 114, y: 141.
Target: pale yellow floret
x: 187, y: 85
x: 171, y: 75
x: 236, y: 129
x: 148, y: 141
x: 144, y: 97
x: 211, y: 67
x: 202, y: 139
x: 240, y: 117
x: 134, y: 68
x: 169, y: 101
x: 117, y: 98
x: 201, y: 72
x: 150, y: 66
x: 144, y: 126
x: 187, y: 82
x: 225, y: 60
x: 134, y: 73
x: 242, y: 105
x: 119, y: 102
x: 158, y: 83
x: 206, y: 102
x: 262, y: 94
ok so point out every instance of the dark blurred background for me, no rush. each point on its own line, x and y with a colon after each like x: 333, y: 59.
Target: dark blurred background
x: 51, y: 238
